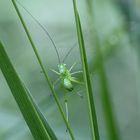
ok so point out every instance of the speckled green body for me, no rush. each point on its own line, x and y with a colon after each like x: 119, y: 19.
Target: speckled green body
x: 65, y: 77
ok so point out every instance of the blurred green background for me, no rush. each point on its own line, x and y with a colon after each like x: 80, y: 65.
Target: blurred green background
x: 118, y: 25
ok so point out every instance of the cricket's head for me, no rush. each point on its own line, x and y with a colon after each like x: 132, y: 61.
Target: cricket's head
x: 62, y: 68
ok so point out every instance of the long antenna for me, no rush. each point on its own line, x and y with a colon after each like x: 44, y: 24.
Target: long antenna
x: 44, y: 29
x: 69, y: 51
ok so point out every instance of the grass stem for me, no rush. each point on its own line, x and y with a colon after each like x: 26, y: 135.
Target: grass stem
x: 44, y: 71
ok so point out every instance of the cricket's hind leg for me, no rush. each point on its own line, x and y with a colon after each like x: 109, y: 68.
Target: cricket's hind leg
x: 67, y: 112
x: 66, y: 104
x: 79, y: 94
x: 75, y: 93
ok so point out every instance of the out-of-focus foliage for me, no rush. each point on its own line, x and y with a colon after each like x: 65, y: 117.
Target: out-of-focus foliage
x: 118, y: 27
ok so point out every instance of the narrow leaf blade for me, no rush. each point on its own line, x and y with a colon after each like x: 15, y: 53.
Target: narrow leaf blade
x: 39, y: 127
x: 91, y: 106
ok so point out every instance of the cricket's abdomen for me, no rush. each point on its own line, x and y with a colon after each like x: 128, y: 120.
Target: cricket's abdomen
x: 67, y: 84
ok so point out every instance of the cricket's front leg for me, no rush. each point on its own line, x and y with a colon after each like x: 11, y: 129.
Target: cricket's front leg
x: 76, y: 72
x: 72, y: 66
x: 55, y: 82
x: 55, y: 71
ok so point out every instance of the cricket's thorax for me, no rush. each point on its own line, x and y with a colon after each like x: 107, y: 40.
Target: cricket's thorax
x: 62, y: 69
x: 65, y: 77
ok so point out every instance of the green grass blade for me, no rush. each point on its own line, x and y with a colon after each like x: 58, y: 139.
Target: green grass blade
x: 105, y: 93
x: 33, y: 117
x: 44, y: 71
x: 92, y: 112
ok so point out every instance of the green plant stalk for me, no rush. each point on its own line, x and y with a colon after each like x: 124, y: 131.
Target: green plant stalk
x: 43, y: 69
x: 113, y: 132
x: 110, y: 121
x: 35, y: 120
x: 91, y: 106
